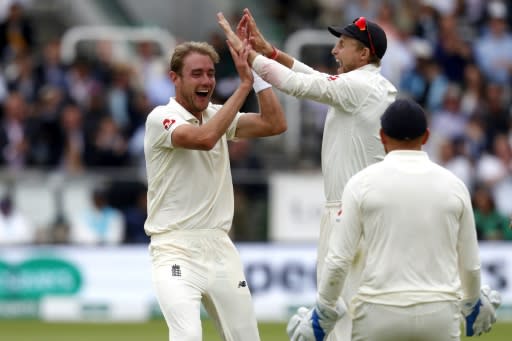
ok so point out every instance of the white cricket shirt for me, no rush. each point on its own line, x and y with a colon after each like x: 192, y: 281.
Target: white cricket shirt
x: 357, y: 99
x: 417, y: 227
x: 187, y: 189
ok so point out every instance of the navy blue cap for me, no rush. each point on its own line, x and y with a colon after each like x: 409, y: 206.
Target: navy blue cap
x: 357, y: 30
x: 404, y: 119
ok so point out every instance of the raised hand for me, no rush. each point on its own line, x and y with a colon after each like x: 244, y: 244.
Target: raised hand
x: 240, y: 60
x: 234, y: 41
x: 256, y: 39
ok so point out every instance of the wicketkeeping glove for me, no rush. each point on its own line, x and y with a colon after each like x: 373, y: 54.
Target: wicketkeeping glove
x: 480, y: 315
x: 314, y: 324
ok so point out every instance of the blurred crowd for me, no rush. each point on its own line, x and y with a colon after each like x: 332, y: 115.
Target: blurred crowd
x: 453, y: 57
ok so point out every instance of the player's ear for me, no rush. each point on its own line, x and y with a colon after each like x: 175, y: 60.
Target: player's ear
x: 426, y: 135
x: 173, y: 76
x: 383, y: 137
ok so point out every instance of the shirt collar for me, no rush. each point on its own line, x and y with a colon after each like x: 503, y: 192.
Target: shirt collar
x: 407, y: 155
x: 186, y: 114
x: 370, y: 67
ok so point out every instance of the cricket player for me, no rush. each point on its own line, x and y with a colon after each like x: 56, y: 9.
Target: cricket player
x: 420, y: 243
x: 357, y: 97
x: 190, y: 194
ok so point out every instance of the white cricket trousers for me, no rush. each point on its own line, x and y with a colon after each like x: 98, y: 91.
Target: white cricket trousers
x: 343, y: 329
x: 190, y: 267
x: 435, y: 321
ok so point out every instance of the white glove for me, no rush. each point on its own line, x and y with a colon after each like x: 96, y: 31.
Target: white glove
x: 480, y: 315
x: 314, y: 324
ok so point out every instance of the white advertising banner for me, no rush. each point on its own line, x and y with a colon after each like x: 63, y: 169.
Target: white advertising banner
x: 296, y: 204
x: 75, y: 283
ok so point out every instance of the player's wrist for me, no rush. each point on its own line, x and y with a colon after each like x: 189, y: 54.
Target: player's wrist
x: 272, y: 52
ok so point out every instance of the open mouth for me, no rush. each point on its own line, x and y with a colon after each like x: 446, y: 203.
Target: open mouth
x: 339, y: 65
x: 202, y: 93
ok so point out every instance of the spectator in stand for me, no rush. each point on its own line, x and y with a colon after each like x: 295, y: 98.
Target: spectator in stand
x: 398, y: 58
x: 101, y: 224
x: 494, y: 169
x: 449, y: 121
x: 151, y: 73
x: 14, y: 141
x: 475, y: 137
x: 453, y: 156
x: 15, y: 228
x: 473, y: 89
x: 502, y: 191
x: 21, y: 77
x: 16, y: 33
x: 50, y: 70
x: 45, y: 142
x: 103, y: 61
x: 356, y: 9
x: 451, y: 52
x: 249, y: 218
x: 73, y: 141
x: 120, y: 95
x: 82, y: 84
x: 490, y: 223
x: 135, y: 216
x: 108, y: 147
x: 142, y: 107
x: 493, y: 50
x: 425, y: 83
x: 495, y: 112
x: 427, y: 22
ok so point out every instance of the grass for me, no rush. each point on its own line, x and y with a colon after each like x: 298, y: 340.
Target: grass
x: 21, y: 330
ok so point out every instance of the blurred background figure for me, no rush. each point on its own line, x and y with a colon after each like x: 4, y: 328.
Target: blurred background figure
x: 14, y: 136
x: 150, y: 73
x: 16, y: 33
x: 490, y: 223
x: 15, y: 228
x: 100, y: 224
x: 135, y: 216
x: 493, y: 50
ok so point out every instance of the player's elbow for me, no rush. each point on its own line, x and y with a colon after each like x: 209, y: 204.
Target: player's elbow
x: 207, y: 143
x: 279, y: 127
x: 204, y: 142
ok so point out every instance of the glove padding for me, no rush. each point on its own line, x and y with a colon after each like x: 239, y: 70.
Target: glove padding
x: 314, y: 324
x: 480, y: 315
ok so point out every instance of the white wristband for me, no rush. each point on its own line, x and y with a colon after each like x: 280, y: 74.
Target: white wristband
x: 259, y: 84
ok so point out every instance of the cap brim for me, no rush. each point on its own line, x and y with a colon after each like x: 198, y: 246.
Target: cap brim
x: 335, y: 30
x: 338, y: 31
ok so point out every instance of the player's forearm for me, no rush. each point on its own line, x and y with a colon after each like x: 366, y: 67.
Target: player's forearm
x: 212, y: 130
x: 271, y: 71
x: 471, y: 282
x: 281, y: 57
x: 331, y: 283
x: 271, y: 112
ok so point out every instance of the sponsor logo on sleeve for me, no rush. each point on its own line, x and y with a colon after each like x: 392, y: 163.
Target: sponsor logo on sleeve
x: 168, y: 123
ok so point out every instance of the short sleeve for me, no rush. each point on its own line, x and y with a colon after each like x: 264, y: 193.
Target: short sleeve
x: 231, y: 132
x: 159, y: 129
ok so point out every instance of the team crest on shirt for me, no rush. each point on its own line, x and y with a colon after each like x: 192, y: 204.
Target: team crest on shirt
x: 168, y: 123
